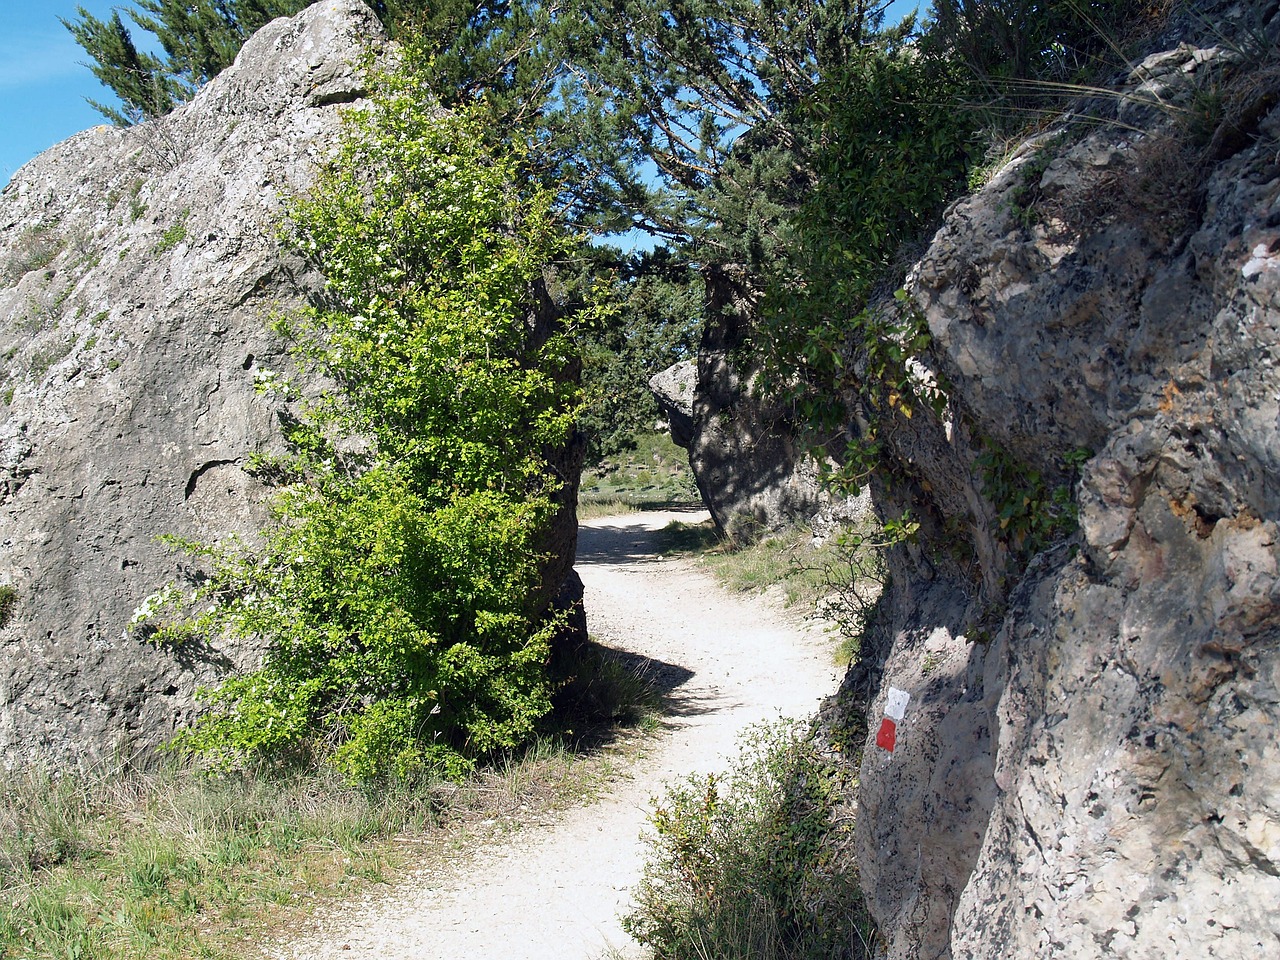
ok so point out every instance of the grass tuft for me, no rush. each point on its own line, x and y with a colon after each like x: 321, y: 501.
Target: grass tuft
x: 176, y: 862
x: 604, y: 687
x: 755, y: 863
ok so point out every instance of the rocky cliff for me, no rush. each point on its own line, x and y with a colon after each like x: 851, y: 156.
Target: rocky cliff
x: 1086, y: 765
x: 139, y: 268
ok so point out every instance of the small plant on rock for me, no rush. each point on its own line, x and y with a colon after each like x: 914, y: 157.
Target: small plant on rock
x: 34, y: 249
x: 8, y: 600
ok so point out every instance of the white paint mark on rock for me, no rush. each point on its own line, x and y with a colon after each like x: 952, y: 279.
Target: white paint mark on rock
x: 896, y: 705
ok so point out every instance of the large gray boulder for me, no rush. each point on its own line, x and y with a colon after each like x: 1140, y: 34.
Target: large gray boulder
x: 747, y: 454
x: 674, y: 390
x: 1086, y: 767
x: 138, y: 268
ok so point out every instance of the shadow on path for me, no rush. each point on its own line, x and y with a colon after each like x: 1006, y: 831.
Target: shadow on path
x: 633, y: 540
x: 629, y: 539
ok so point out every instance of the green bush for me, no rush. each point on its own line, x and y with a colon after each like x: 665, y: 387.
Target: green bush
x: 397, y: 586
x: 894, y: 147
x: 752, y: 864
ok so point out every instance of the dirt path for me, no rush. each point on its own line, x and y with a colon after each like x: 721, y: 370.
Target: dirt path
x: 555, y: 892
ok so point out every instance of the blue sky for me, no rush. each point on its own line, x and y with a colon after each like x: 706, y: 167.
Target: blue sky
x: 42, y: 82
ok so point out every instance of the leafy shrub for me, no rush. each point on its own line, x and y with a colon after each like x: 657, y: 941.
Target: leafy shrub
x: 1032, y: 513
x: 397, y: 585
x: 751, y: 864
x: 894, y: 148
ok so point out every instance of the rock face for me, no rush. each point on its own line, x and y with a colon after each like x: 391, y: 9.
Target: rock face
x: 1088, y: 763
x: 674, y: 388
x: 140, y: 267
x: 747, y: 457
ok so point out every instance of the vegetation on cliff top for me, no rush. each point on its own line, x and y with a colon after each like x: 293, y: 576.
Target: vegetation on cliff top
x: 199, y: 40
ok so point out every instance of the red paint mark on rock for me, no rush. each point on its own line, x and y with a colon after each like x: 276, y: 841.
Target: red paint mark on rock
x: 888, y: 735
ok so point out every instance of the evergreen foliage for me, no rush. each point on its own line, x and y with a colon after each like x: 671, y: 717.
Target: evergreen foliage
x: 656, y: 324
x: 681, y: 118
x: 138, y: 79
x: 397, y: 586
x: 688, y: 115
x: 892, y: 151
x: 199, y: 39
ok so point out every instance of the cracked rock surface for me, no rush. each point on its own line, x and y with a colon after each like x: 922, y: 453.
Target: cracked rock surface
x: 138, y: 268
x: 1089, y: 762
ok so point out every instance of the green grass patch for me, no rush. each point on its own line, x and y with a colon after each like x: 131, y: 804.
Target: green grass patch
x: 652, y: 475
x: 175, y: 235
x: 175, y: 862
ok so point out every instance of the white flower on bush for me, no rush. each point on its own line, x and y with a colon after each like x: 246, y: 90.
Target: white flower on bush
x: 164, y: 597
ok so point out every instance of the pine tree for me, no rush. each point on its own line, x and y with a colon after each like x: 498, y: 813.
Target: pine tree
x: 140, y: 80
x: 200, y: 38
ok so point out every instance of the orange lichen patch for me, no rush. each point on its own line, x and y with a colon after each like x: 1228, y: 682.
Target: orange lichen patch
x: 1184, y: 510
x: 1170, y: 391
x: 1245, y: 519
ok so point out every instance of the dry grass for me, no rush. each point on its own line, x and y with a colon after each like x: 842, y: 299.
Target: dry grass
x: 653, y: 475
x: 174, y: 862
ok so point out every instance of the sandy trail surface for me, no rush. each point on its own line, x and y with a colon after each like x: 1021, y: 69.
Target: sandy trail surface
x: 556, y: 891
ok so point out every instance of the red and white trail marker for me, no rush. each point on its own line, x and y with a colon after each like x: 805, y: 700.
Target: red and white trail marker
x: 895, y: 708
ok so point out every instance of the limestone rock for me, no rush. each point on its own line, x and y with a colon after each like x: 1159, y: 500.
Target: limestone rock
x: 674, y: 388
x: 1087, y: 765
x: 746, y: 454
x: 139, y: 267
